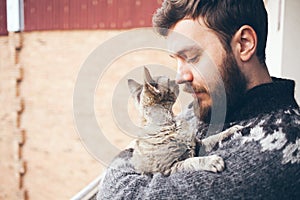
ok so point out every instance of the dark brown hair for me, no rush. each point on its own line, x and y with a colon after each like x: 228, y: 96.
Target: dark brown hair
x: 225, y: 17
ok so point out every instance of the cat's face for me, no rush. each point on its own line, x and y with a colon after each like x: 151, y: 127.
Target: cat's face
x: 156, y: 91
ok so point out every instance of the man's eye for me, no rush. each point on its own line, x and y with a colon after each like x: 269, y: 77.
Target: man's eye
x: 172, y: 56
x: 194, y: 59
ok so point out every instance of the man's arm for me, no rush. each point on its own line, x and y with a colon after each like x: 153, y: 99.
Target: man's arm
x: 250, y: 173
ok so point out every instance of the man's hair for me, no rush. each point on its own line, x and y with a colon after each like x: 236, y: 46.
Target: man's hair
x: 225, y: 17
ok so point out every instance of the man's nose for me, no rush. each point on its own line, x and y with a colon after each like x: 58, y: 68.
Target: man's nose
x: 184, y: 73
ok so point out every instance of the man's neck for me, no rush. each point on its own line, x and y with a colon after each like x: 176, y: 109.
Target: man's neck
x: 264, y: 98
x: 257, y: 74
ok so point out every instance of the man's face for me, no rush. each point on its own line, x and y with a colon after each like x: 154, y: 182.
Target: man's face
x: 209, y: 73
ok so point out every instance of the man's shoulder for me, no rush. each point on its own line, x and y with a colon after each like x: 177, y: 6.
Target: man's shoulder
x: 286, y: 121
x: 274, y: 133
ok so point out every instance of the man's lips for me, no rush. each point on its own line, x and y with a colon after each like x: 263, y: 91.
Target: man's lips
x: 196, y: 92
x: 192, y: 90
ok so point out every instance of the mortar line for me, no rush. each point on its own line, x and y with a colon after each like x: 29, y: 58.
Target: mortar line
x: 16, y: 43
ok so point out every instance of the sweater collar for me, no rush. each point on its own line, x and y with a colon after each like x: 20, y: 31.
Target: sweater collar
x: 263, y: 99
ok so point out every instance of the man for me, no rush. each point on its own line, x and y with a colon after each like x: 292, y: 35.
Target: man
x: 263, y: 159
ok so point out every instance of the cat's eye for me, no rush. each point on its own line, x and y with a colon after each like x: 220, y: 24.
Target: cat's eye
x: 153, y: 84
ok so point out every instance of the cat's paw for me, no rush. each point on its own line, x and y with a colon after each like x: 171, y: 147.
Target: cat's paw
x: 212, y: 163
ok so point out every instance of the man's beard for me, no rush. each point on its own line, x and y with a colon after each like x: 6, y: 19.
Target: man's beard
x: 234, y: 83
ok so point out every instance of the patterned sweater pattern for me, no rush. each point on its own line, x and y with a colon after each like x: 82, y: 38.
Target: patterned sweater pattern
x: 262, y: 160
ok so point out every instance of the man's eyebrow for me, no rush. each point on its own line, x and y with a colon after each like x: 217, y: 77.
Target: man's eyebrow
x: 189, y: 49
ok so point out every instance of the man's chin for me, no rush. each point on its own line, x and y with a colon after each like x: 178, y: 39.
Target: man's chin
x: 201, y: 110
x: 201, y: 96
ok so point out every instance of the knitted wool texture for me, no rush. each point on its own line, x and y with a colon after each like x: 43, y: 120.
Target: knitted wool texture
x: 262, y: 160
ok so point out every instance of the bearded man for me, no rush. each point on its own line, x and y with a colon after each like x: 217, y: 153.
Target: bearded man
x: 220, y: 51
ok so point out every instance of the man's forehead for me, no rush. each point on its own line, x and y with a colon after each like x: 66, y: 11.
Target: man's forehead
x: 179, y: 43
x: 187, y: 33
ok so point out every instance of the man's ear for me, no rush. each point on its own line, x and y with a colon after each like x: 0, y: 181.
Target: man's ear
x: 244, y: 43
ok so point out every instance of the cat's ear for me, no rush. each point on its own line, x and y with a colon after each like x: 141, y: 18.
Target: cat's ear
x: 134, y: 86
x: 149, y: 82
x: 151, y: 88
x: 147, y: 76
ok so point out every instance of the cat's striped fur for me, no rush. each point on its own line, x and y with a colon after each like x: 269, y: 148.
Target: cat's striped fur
x: 168, y: 144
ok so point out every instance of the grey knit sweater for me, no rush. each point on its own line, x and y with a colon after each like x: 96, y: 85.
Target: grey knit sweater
x: 262, y: 160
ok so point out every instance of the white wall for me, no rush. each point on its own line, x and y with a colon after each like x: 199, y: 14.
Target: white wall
x: 283, y: 56
x: 291, y: 43
x: 275, y: 36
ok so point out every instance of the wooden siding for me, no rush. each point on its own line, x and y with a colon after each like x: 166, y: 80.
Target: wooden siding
x: 88, y: 14
x: 3, y: 26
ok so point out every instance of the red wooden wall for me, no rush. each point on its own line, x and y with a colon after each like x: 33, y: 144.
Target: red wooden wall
x: 3, y: 29
x: 88, y: 14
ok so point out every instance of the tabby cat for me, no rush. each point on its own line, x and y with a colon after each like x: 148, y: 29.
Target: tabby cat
x: 168, y: 144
